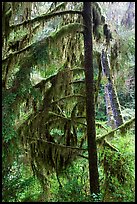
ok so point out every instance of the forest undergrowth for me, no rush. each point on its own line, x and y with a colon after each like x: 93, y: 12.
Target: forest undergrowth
x: 116, y: 170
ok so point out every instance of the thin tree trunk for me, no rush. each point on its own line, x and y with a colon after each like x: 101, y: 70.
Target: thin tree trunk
x: 109, y: 111
x: 111, y: 90
x: 129, y: 18
x: 99, y: 78
x: 106, y: 75
x: 90, y: 95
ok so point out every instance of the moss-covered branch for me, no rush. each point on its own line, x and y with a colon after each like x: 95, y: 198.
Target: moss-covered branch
x: 106, y: 143
x: 76, y: 69
x: 68, y: 97
x: 40, y: 45
x: 44, y: 17
x: 67, y: 29
x: 77, y: 82
x: 57, y: 115
x: 121, y: 128
x: 60, y: 145
x: 12, y: 54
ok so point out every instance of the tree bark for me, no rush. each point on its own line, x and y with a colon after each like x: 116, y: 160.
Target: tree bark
x: 109, y: 111
x: 111, y: 91
x: 90, y: 99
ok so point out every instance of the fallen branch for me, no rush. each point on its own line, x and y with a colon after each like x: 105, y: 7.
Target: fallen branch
x: 121, y: 127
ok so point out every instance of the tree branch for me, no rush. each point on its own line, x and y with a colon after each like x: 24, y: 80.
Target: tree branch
x: 80, y: 155
x: 52, y: 143
x: 77, y: 81
x: 129, y: 122
x: 17, y: 52
x: 106, y: 143
x: 69, y: 96
x: 45, y: 17
x: 65, y: 30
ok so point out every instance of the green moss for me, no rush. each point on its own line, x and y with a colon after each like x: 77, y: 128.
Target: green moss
x: 67, y: 29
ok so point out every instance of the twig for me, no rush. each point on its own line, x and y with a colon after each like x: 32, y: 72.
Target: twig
x: 80, y: 155
x: 106, y: 143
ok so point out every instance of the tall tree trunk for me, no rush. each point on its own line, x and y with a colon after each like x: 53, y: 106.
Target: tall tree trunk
x: 90, y: 95
x: 111, y: 90
x: 129, y: 18
x: 109, y: 111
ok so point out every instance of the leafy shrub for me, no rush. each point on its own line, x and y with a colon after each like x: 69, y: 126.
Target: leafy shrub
x: 118, y: 170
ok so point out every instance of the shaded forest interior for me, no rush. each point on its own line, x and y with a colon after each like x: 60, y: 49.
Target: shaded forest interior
x: 68, y: 101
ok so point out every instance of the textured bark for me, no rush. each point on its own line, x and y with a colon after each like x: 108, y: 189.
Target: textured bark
x: 90, y: 95
x: 115, y: 104
x: 99, y: 77
x: 109, y: 109
x: 111, y: 91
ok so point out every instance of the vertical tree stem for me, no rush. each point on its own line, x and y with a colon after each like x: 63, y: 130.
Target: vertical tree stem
x: 90, y: 98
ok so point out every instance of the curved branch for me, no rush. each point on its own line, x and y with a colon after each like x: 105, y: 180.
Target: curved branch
x: 17, y: 52
x: 45, y: 17
x: 67, y: 97
x: 65, y: 30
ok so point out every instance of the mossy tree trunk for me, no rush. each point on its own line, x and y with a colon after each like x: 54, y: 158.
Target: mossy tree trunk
x: 111, y: 91
x: 90, y: 98
x: 109, y: 111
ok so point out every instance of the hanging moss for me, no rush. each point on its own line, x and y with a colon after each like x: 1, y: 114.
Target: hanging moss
x: 40, y: 52
x: 98, y: 21
x: 67, y: 29
x: 39, y: 125
x: 115, y: 166
x: 51, y: 156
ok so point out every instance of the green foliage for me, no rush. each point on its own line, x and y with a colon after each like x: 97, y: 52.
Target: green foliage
x: 117, y: 170
x: 96, y: 197
x: 8, y: 117
x: 41, y: 54
x: 74, y: 184
x: 125, y: 76
x: 20, y: 185
x: 17, y: 35
x: 126, y: 99
x: 101, y: 106
x: 117, y: 183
